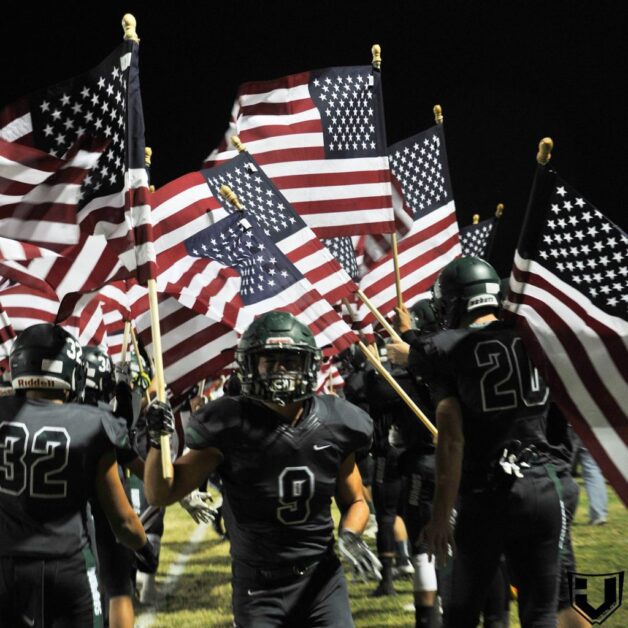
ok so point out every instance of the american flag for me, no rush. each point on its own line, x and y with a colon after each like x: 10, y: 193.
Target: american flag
x: 475, y: 239
x: 7, y: 336
x: 193, y: 202
x: 40, y: 195
x: 106, y: 103
x: 193, y: 346
x: 329, y: 379
x: 342, y: 249
x: 419, y: 165
x: 320, y: 137
x: 256, y: 277
x: 569, y: 295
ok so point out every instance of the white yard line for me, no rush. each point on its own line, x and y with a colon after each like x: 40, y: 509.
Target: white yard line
x: 176, y: 569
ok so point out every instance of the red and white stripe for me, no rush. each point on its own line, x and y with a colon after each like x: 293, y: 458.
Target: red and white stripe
x: 582, y: 353
x: 282, y: 128
x: 329, y: 379
x: 432, y: 242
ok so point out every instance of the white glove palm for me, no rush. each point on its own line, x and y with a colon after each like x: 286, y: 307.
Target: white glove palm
x: 198, y: 506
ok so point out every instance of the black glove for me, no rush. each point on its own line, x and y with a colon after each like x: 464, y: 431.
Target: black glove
x: 159, y: 422
x: 359, y: 556
x: 147, y: 559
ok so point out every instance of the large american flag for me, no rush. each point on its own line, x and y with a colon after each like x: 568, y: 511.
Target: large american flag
x: 476, y: 238
x: 40, y: 195
x: 254, y: 277
x: 105, y: 103
x: 569, y: 295
x: 320, y: 137
x: 419, y: 164
x: 193, y: 202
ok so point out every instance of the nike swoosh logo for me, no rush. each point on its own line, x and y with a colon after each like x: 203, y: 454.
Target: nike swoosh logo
x: 319, y: 447
x: 249, y: 592
x: 28, y: 620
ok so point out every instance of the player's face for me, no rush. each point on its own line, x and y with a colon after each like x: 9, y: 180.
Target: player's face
x: 278, y: 361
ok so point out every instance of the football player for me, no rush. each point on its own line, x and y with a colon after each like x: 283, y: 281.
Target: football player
x: 282, y: 454
x: 491, y: 406
x: 55, y: 456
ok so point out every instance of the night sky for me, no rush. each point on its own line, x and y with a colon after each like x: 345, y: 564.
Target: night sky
x: 505, y: 73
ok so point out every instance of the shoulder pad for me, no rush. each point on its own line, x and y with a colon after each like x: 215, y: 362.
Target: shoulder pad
x: 115, y: 428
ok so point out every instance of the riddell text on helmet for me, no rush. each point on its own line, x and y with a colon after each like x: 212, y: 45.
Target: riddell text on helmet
x: 34, y: 382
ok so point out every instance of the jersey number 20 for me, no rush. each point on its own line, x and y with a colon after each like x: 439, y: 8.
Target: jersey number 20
x: 50, y: 449
x: 503, y: 386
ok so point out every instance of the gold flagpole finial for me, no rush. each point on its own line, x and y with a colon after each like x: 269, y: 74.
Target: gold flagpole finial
x: 545, y: 151
x: 376, y: 51
x: 235, y: 140
x: 148, y: 156
x: 476, y: 219
x: 128, y: 25
x: 499, y: 211
x: 438, y: 114
x: 227, y: 193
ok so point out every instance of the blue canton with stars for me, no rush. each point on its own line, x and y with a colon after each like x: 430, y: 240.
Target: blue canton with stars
x: 259, y: 197
x: 475, y: 238
x: 420, y: 165
x: 342, y: 249
x: 350, y: 105
x: 238, y: 242
x: 586, y: 250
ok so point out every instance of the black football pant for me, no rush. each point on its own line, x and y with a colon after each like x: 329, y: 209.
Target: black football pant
x: 316, y: 599
x: 526, y: 524
x: 387, y: 491
x: 52, y: 593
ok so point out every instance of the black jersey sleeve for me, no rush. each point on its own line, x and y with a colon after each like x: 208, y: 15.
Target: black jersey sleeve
x: 215, y: 424
x: 352, y: 426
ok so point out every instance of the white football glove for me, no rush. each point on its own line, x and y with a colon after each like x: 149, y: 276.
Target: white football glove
x: 197, y: 506
x: 357, y: 553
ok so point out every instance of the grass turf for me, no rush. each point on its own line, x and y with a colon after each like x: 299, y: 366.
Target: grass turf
x: 201, y: 595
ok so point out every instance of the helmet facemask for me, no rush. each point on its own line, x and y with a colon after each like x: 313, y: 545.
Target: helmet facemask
x: 280, y: 375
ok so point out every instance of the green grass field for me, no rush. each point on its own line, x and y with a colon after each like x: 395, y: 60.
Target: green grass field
x: 199, y: 594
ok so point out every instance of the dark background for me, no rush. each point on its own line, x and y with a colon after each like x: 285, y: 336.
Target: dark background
x: 506, y: 74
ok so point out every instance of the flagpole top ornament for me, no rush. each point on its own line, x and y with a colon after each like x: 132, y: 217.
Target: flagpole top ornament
x: 499, y: 211
x: 476, y: 219
x: 376, y: 51
x: 235, y: 140
x: 148, y: 156
x: 128, y: 24
x: 438, y: 114
x: 545, y: 151
x: 227, y: 193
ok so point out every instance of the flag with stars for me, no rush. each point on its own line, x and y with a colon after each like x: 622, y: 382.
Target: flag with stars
x: 320, y: 136
x: 342, y: 249
x: 476, y: 237
x: 259, y: 279
x: 569, y: 295
x: 421, y: 172
x: 104, y: 103
x: 193, y: 202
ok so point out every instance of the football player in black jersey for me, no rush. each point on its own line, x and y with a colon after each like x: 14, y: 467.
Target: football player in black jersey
x: 491, y: 406
x: 282, y: 454
x: 55, y: 456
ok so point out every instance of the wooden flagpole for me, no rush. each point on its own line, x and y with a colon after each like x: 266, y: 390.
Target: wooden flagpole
x: 129, y: 24
x: 125, y: 341
x: 377, y: 314
x: 397, y: 388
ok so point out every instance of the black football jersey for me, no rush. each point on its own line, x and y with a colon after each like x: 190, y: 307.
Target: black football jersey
x: 278, y: 480
x: 48, y: 458
x: 502, y: 396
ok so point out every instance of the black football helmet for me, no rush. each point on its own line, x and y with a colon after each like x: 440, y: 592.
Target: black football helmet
x: 424, y: 316
x: 46, y: 356
x: 99, y: 378
x: 287, y: 352
x: 466, y: 284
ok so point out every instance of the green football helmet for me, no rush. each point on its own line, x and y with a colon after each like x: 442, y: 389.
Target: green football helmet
x: 278, y: 359
x: 99, y: 378
x: 47, y: 357
x: 466, y: 284
x: 424, y: 316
